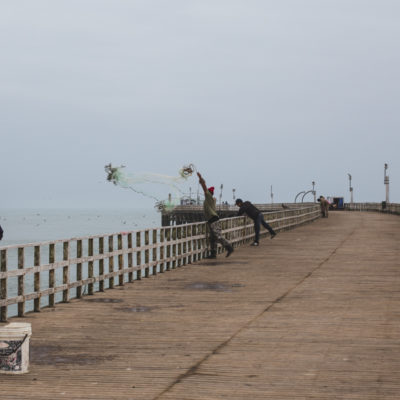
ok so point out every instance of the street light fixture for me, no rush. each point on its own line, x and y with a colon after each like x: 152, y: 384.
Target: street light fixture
x: 350, y: 189
x: 233, y: 193
x: 386, y: 182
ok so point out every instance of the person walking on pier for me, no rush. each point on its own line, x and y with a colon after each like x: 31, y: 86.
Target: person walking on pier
x: 257, y: 216
x: 324, y: 206
x: 213, y: 220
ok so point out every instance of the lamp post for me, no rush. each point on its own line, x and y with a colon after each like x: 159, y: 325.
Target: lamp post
x: 314, y: 192
x: 233, y: 194
x: 220, y: 194
x: 350, y: 189
x: 272, y: 196
x: 386, y: 182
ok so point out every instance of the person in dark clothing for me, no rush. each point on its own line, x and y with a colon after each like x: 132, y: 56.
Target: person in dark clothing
x: 257, y: 216
x: 1, y: 233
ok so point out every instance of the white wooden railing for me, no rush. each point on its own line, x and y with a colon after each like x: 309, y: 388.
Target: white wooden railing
x: 37, y: 275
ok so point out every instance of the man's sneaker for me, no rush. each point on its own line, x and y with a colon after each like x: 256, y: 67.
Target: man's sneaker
x: 229, y: 252
x: 254, y: 244
x: 273, y: 235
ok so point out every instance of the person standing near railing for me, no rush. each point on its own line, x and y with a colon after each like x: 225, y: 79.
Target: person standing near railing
x: 257, y: 216
x: 324, y: 206
x: 1, y: 233
x: 213, y: 222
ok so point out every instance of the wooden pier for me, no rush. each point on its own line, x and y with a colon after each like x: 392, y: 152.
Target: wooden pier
x: 311, y: 314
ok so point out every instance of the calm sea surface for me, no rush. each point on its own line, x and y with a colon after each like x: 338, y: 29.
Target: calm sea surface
x: 36, y: 225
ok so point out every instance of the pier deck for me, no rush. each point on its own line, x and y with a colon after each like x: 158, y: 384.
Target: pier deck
x: 311, y: 314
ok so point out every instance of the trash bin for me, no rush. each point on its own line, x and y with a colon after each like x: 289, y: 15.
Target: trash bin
x: 14, y: 348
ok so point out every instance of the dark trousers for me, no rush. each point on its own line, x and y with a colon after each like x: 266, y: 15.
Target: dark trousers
x: 260, y: 221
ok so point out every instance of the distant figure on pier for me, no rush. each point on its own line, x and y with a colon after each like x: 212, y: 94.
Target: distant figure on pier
x: 1, y: 233
x: 257, y: 216
x: 324, y: 206
x: 212, y: 219
x: 284, y: 206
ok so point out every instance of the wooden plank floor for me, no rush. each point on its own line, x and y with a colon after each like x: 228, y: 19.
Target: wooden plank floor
x: 311, y: 314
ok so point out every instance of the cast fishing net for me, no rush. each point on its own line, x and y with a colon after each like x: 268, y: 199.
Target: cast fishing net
x: 119, y: 177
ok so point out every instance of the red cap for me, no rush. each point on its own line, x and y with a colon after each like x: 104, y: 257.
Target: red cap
x: 211, y: 189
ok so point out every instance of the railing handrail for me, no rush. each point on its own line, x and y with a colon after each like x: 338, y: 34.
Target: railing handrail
x: 158, y: 249
x: 104, y: 235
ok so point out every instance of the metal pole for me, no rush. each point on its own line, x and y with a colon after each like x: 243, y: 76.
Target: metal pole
x: 350, y: 189
x: 272, y: 196
x: 386, y: 181
x: 314, y: 192
x: 233, y: 193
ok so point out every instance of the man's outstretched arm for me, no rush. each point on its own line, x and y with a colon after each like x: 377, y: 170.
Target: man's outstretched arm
x: 202, y: 183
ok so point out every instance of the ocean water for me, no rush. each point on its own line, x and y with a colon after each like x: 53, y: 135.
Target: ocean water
x: 23, y: 226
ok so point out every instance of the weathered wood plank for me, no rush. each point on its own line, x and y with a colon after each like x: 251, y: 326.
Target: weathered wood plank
x: 299, y: 317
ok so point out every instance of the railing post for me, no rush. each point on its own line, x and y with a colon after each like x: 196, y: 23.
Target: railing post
x: 174, y: 248
x: 194, y: 243
x: 90, y: 266
x: 120, y: 262
x: 146, y: 254
x: 79, y: 268
x: 189, y: 244
x: 138, y: 257
x: 111, y: 261
x: 184, y: 245
x: 66, y: 271
x: 130, y: 257
x: 52, y: 281
x: 3, y: 285
x: 162, y: 247
x: 101, y: 264
x: 154, y: 251
x: 21, y: 262
x: 179, y: 246
x: 168, y: 232
x: 36, y: 279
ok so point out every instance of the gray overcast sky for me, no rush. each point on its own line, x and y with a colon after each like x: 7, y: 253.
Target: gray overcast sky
x: 253, y: 92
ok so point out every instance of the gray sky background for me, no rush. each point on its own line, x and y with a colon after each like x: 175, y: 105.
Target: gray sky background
x: 253, y: 92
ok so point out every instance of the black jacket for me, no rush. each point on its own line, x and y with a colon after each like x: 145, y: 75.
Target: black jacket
x: 250, y: 210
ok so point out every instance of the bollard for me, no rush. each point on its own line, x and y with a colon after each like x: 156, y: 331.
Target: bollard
x: 14, y: 348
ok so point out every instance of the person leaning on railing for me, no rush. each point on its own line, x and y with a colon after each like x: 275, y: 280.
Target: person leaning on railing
x: 257, y: 216
x: 324, y: 206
